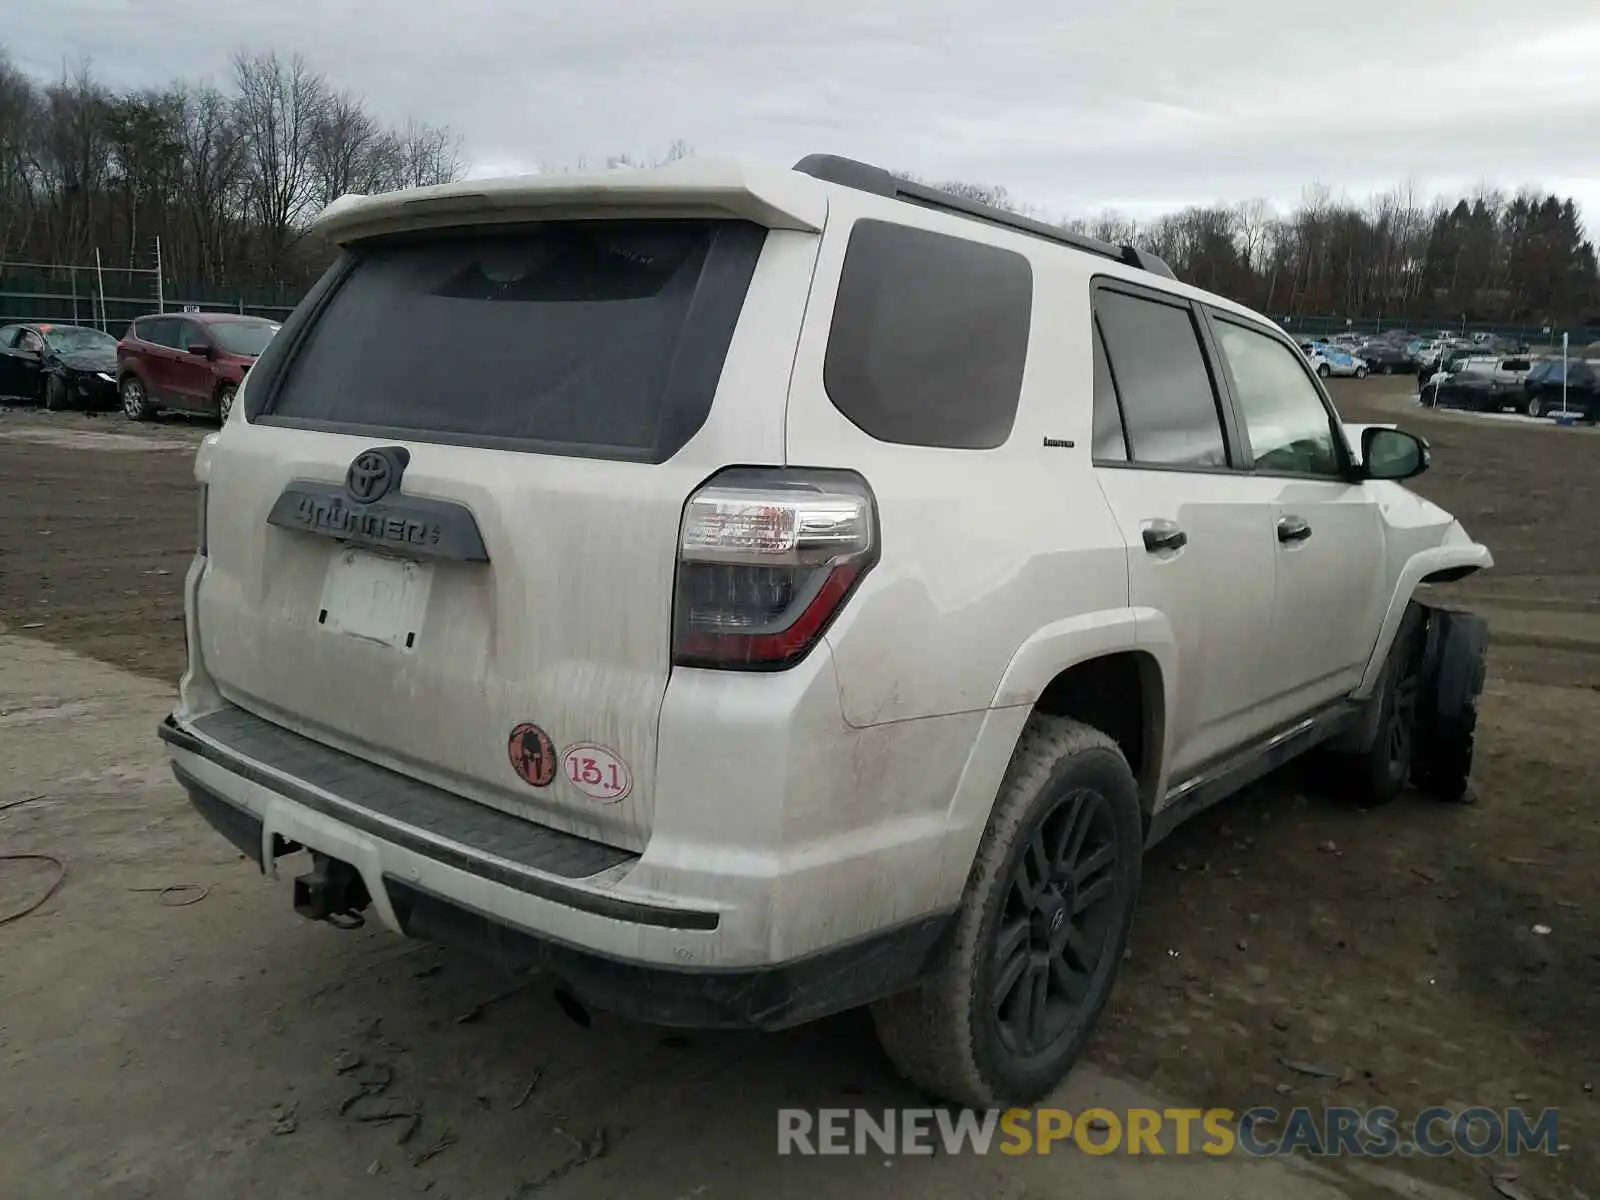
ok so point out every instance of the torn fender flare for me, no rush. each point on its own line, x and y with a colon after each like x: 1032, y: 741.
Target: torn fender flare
x: 1456, y: 556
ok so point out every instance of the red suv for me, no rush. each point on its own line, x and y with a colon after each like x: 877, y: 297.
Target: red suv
x: 188, y: 362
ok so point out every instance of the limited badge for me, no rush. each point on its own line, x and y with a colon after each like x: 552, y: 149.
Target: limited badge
x: 533, y: 755
x: 596, y: 771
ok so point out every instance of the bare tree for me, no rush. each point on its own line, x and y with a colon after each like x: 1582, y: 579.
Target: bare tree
x: 349, y: 151
x: 278, y: 107
x: 428, y: 154
x: 229, y: 178
x: 19, y: 113
x: 214, y: 154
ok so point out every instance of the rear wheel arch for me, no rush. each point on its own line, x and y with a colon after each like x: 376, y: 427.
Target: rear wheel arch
x: 1123, y: 695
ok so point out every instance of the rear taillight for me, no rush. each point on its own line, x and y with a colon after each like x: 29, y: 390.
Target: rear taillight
x: 765, y: 561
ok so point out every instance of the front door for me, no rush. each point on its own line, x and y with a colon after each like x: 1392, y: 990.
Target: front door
x: 1198, y: 530
x: 1327, y: 531
x: 192, y: 374
x: 20, y: 361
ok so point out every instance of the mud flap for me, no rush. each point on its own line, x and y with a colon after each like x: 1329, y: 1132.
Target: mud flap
x: 1447, y: 703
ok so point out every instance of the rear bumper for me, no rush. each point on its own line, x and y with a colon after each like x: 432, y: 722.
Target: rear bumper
x: 521, y: 894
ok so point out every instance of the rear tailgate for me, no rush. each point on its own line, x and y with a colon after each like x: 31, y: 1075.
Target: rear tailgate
x: 445, y: 540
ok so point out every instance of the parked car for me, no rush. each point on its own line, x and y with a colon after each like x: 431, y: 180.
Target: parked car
x: 1543, y: 395
x: 189, y: 362
x: 567, y: 590
x: 1470, y: 388
x: 1479, y: 382
x: 1385, y: 358
x: 59, y: 366
x: 1443, y: 360
x: 1327, y: 359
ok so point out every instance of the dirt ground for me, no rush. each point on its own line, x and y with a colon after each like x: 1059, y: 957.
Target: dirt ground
x: 1391, y: 950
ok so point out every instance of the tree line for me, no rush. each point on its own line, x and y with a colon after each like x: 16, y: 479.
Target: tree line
x: 1491, y: 257
x: 228, y: 177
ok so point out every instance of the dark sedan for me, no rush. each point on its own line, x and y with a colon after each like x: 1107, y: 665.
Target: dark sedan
x: 1472, y: 389
x: 59, y: 366
x: 1385, y: 358
x: 1542, y: 391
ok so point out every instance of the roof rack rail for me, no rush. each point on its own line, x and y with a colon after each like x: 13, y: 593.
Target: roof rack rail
x: 864, y: 177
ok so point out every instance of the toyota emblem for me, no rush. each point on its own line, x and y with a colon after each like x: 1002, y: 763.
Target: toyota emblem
x: 374, y: 474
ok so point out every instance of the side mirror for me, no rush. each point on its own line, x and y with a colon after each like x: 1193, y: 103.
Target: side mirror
x: 1393, y: 454
x: 203, y: 349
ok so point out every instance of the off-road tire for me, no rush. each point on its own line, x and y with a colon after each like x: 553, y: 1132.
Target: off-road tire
x: 944, y: 1035
x: 1447, y: 708
x: 1378, y: 774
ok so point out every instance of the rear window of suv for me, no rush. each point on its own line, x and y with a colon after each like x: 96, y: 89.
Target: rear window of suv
x: 597, y: 338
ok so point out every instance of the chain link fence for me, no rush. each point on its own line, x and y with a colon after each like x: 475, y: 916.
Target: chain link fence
x: 108, y: 298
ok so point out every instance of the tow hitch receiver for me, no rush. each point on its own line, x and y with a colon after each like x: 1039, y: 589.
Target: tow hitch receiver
x: 331, y: 889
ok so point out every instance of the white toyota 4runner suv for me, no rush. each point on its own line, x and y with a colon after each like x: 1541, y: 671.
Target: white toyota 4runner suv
x: 751, y: 593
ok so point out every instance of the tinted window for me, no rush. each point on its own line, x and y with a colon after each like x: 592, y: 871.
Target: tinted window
x: 1285, y: 421
x: 929, y: 337
x: 586, y: 337
x: 190, y: 334
x: 243, y: 337
x: 1168, y: 405
x: 161, y: 331
x: 1109, y: 443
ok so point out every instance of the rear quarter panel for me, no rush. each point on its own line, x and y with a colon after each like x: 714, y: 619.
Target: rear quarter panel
x: 981, y: 548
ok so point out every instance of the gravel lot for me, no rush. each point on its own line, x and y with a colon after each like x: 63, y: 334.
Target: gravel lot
x: 158, y: 1048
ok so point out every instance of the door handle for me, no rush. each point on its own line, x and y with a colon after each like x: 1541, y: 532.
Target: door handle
x: 1293, y: 529
x: 1164, y: 535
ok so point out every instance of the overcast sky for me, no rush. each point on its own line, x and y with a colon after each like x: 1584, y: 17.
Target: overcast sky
x: 1072, y: 105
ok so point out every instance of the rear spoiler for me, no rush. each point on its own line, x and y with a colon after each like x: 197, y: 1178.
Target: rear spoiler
x: 692, y: 187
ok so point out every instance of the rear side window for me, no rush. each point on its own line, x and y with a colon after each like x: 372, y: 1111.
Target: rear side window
x: 929, y: 337
x: 1109, y: 443
x: 1169, y: 407
x: 603, y: 339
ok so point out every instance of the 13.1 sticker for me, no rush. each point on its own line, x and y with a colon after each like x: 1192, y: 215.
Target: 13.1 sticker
x: 597, y: 772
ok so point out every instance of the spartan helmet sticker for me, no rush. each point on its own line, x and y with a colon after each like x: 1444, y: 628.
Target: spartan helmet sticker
x: 533, y: 755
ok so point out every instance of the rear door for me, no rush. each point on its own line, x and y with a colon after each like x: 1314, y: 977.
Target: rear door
x: 1198, y: 531
x: 446, y: 537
